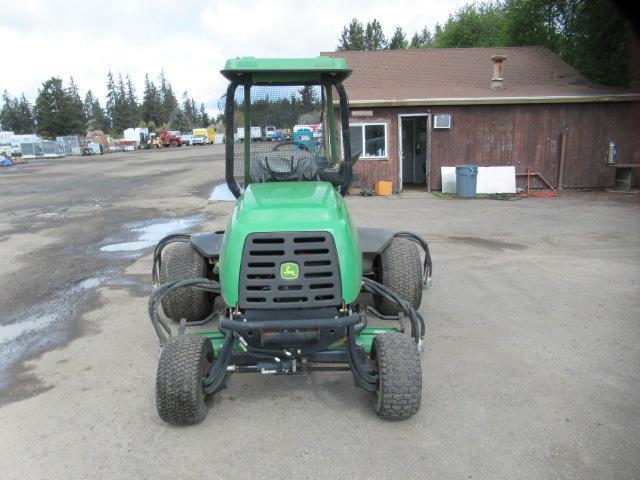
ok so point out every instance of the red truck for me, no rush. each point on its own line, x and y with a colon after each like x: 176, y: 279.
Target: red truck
x: 168, y: 139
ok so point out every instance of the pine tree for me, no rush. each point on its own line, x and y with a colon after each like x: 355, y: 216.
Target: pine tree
x: 167, y: 99
x: 9, y: 113
x: 150, y: 102
x: 415, y: 41
x: 194, y: 112
x: 204, y: 118
x: 50, y: 109
x: 112, y: 100
x: 188, y: 111
x: 26, y: 122
x: 74, y: 112
x: 352, y: 37
x: 179, y: 121
x: 398, y: 40
x: 426, y: 39
x: 88, y: 104
x: 421, y: 39
x: 132, y: 109
x: 16, y: 114
x: 308, y: 97
x: 96, y: 118
x: 374, y: 37
x: 122, y: 109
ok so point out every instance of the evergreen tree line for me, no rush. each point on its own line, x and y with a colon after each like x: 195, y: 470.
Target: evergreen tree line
x: 60, y: 110
x: 301, y: 106
x: 591, y: 35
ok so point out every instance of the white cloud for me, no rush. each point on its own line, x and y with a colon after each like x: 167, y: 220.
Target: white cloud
x: 190, y: 40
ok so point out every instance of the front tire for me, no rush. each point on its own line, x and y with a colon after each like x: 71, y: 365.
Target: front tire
x: 398, y: 267
x: 180, y: 261
x: 397, y: 361
x: 183, y: 365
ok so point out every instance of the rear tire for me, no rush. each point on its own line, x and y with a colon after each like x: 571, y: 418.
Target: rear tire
x: 399, y: 268
x: 399, y: 391
x: 180, y: 261
x: 183, y: 365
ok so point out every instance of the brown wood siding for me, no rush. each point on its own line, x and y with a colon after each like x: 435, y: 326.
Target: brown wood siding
x: 367, y: 171
x: 526, y: 136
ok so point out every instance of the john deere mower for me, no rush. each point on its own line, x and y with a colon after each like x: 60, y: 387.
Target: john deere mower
x: 291, y: 282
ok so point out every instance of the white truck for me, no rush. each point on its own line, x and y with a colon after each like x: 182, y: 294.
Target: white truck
x: 256, y: 134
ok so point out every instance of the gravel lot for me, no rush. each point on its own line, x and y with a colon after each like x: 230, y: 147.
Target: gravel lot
x: 533, y: 349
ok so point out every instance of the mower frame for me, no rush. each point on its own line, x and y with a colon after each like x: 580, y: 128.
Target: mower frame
x: 293, y: 339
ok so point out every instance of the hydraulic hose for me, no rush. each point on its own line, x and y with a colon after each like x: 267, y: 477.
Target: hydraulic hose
x: 427, y: 269
x: 218, y: 370
x: 418, y: 328
x: 157, y: 254
x: 351, y: 338
x: 162, y: 329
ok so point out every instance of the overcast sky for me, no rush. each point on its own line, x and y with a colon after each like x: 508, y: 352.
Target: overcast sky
x: 190, y: 40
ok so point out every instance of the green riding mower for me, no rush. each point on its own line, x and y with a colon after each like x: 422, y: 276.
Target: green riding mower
x: 291, y: 280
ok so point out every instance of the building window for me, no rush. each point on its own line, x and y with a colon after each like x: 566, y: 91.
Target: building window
x: 370, y: 139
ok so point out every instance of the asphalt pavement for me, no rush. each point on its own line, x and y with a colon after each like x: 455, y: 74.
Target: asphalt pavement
x: 532, y: 360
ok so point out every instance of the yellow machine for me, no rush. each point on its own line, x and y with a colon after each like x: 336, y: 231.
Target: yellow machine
x: 148, y: 141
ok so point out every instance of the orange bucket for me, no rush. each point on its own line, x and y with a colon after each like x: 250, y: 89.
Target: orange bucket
x: 384, y: 187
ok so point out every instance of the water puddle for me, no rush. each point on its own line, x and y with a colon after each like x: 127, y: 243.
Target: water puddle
x: 222, y: 193
x: 41, y: 317
x: 148, y: 235
x: 11, y: 332
x: 89, y: 283
x: 41, y: 327
x: 50, y: 323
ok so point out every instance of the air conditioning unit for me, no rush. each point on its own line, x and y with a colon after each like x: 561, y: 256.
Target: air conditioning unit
x: 442, y: 121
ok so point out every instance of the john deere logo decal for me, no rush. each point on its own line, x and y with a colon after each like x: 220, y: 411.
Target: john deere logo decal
x: 289, y: 271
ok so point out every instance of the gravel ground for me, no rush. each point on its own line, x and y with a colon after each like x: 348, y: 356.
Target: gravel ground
x: 533, y: 349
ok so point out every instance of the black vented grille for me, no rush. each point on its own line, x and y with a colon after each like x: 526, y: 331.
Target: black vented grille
x: 270, y: 262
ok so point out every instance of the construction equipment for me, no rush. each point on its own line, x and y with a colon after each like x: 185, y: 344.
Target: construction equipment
x: 292, y: 276
x: 168, y: 139
x: 149, y: 140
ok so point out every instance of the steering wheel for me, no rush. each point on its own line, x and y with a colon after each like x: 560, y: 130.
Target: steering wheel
x: 301, y: 146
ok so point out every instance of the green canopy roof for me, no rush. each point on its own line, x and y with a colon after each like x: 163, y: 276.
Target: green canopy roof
x: 284, y: 69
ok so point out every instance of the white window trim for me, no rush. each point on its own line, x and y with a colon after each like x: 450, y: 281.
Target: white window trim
x: 386, y: 140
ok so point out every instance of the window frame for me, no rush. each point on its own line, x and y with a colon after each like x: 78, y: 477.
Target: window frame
x: 362, y: 125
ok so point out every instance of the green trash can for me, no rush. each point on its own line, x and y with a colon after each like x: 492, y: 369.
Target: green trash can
x: 466, y: 178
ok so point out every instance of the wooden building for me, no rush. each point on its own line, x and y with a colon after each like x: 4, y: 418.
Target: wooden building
x: 414, y: 111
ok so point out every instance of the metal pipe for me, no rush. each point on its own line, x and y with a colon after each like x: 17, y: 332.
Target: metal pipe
x: 229, y: 140
x: 247, y: 134
x: 563, y: 144
x: 259, y: 325
x: 331, y: 119
x: 346, y: 142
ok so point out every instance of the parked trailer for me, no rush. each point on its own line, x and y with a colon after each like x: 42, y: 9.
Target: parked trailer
x: 256, y: 134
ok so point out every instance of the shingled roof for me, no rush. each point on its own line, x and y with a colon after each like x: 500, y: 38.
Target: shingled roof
x: 463, y: 75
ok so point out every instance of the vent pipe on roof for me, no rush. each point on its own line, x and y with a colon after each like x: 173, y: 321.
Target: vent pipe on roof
x: 497, y: 82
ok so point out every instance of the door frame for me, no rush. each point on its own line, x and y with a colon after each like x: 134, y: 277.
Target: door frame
x: 428, y: 164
